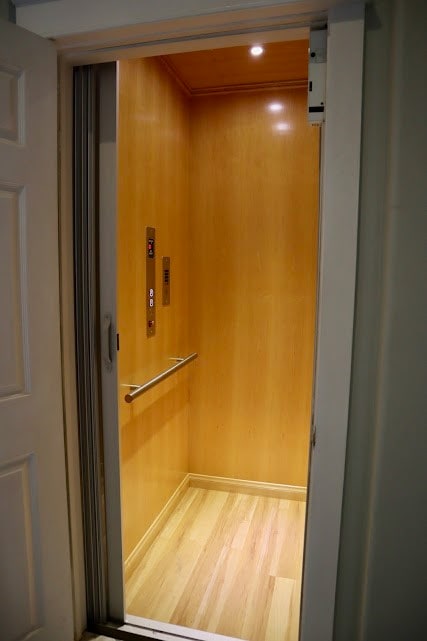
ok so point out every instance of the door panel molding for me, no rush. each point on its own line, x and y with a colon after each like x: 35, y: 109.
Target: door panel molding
x: 21, y: 606
x: 14, y: 363
x: 12, y: 104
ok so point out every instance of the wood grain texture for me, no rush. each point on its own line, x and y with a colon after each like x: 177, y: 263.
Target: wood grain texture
x: 153, y: 148
x: 234, y: 69
x: 234, y: 203
x: 227, y: 563
x: 253, y: 264
x: 134, y: 559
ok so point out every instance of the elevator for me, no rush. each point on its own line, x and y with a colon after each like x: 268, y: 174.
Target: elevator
x: 217, y: 227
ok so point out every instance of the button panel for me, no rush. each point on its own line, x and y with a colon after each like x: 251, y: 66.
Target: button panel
x: 150, y: 285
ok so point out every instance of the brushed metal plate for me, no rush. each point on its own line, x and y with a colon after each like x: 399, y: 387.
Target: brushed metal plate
x: 150, y: 286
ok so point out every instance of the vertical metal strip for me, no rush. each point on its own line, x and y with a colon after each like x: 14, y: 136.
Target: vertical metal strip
x: 87, y: 340
x: 107, y: 238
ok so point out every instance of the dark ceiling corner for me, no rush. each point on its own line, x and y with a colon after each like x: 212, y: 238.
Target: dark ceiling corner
x: 11, y: 11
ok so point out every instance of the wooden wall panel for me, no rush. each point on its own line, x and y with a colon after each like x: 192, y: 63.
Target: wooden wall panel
x: 153, y: 139
x: 254, y: 212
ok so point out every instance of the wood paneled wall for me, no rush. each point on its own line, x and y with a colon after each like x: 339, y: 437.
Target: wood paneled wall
x: 254, y: 213
x: 153, y: 148
x: 232, y: 190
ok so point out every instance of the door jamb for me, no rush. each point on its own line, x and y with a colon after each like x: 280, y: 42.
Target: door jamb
x: 339, y: 213
x: 339, y: 209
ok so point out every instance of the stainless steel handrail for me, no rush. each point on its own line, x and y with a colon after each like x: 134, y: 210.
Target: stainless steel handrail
x: 138, y: 390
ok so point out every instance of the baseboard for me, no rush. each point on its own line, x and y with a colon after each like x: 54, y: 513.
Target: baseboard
x: 275, y: 490
x: 135, y: 557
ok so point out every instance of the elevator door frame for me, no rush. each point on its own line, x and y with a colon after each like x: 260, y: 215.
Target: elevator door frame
x: 339, y: 195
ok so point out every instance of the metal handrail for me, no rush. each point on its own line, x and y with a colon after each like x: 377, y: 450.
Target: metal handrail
x: 137, y: 390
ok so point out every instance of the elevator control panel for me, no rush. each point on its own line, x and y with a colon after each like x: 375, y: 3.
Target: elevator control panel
x: 151, y: 241
x: 150, y: 285
x: 166, y: 278
x: 317, y: 76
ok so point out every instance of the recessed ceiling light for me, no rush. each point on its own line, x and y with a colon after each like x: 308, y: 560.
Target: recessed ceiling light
x: 275, y: 107
x: 256, y: 50
x: 282, y: 126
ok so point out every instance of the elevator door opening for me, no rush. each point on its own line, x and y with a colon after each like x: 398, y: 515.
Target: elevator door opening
x: 216, y: 157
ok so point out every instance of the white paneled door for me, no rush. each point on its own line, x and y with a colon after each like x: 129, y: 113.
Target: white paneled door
x: 35, y: 576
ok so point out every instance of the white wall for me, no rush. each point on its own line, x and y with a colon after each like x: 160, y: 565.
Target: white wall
x: 63, y: 17
x: 382, y: 582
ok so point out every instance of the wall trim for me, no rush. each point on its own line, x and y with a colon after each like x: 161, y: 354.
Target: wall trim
x: 135, y: 557
x: 120, y: 26
x: 301, y: 83
x: 259, y: 488
x: 189, y: 34
x: 296, y: 83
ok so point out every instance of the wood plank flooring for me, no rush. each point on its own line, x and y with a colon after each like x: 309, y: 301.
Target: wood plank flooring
x: 227, y: 563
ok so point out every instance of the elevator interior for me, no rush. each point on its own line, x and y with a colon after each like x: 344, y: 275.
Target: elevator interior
x: 217, y: 255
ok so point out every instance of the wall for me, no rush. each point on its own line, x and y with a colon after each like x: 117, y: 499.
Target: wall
x: 251, y: 197
x: 382, y: 579
x: 153, y: 136
x: 254, y: 193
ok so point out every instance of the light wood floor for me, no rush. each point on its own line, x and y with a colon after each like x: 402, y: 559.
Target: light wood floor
x: 227, y: 563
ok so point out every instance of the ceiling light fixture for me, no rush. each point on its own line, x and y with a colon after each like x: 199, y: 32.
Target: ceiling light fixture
x: 256, y: 50
x: 275, y: 107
